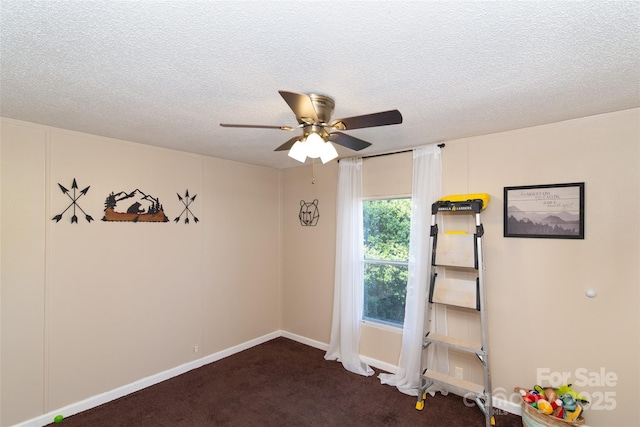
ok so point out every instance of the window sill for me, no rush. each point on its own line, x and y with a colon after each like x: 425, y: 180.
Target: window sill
x: 383, y: 326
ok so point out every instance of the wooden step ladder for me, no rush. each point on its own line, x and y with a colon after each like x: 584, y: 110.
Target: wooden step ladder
x: 458, y: 252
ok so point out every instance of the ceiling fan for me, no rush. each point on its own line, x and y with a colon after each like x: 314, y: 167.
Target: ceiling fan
x: 313, y: 112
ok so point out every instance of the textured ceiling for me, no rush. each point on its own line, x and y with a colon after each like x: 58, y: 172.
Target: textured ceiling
x: 167, y: 73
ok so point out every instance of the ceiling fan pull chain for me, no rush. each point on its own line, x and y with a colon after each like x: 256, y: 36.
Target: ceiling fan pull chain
x: 313, y: 171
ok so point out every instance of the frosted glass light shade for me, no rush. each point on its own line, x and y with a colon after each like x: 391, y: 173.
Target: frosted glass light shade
x: 314, y: 144
x: 328, y: 152
x: 298, y: 152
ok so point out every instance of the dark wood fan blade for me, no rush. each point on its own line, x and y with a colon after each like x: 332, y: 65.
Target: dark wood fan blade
x: 230, y: 125
x: 287, y: 145
x: 392, y: 117
x: 348, y: 141
x: 301, y: 105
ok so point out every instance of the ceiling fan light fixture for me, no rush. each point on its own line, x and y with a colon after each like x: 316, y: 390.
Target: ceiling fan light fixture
x: 298, y: 151
x: 328, y: 152
x: 314, y: 144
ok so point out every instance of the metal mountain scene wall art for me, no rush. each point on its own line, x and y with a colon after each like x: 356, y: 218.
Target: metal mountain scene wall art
x: 141, y: 207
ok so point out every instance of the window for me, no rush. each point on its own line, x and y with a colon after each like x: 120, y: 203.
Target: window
x: 387, y: 225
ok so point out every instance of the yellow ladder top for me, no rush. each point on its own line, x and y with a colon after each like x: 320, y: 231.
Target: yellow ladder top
x: 467, y: 197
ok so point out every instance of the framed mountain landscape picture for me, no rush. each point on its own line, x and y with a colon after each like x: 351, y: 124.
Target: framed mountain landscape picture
x: 553, y: 211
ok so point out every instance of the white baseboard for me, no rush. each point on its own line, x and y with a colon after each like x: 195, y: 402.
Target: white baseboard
x: 305, y: 340
x: 119, y: 392
x: 387, y: 367
x: 507, y: 406
x: 323, y: 346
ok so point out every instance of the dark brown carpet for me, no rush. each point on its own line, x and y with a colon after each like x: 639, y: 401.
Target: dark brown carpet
x: 279, y: 383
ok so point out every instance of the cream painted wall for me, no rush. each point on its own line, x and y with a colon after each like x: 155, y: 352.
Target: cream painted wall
x: 540, y: 319
x: 242, y: 295
x: 89, y: 307
x: 309, y: 251
x: 22, y: 250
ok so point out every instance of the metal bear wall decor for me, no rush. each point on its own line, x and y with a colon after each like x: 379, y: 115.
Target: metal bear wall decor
x: 309, y: 214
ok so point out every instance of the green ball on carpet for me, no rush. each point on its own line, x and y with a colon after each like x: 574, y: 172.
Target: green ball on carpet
x: 58, y: 419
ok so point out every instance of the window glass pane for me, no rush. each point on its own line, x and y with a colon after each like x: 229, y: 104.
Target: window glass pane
x: 387, y: 225
x: 385, y: 290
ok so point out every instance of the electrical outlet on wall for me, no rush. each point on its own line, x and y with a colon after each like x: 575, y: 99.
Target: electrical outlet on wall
x: 459, y: 372
x: 195, y: 349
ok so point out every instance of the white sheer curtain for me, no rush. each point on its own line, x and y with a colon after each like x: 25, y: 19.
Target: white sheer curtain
x: 427, y: 182
x: 349, y: 275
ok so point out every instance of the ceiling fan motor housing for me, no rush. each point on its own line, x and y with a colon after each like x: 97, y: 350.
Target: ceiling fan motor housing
x: 323, y: 105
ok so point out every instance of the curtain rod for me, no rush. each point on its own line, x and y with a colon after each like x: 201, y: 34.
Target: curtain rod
x: 395, y: 152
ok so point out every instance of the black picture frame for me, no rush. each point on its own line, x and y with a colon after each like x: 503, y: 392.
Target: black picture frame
x: 552, y: 211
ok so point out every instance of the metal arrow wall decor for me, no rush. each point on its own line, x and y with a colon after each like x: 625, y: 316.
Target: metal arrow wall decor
x: 186, y: 201
x: 74, y: 203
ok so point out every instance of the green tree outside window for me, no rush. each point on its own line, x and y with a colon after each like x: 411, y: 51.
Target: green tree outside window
x: 387, y: 225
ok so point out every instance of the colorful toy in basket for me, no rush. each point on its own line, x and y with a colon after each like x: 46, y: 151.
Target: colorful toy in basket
x: 562, y: 404
x: 566, y: 389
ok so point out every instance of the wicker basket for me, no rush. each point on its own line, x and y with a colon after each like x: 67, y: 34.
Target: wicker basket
x: 531, y: 417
